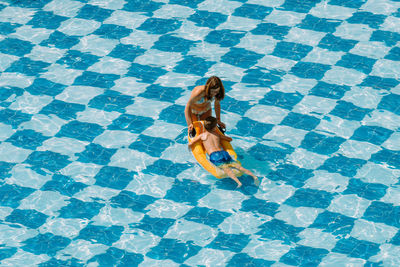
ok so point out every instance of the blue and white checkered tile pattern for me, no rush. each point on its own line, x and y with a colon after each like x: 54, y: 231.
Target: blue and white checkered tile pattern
x: 94, y: 164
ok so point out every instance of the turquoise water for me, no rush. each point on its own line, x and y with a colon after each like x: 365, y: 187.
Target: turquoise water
x: 94, y: 164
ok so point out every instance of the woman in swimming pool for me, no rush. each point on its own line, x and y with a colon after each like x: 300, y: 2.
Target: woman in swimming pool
x: 199, y: 105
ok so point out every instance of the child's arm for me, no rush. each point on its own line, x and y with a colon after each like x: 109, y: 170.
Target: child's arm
x: 194, y: 140
x: 223, y: 137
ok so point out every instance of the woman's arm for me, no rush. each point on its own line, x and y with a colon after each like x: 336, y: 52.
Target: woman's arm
x: 217, y: 108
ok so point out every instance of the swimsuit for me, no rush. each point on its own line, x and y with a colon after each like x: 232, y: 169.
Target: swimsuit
x: 221, y: 157
x: 200, y: 102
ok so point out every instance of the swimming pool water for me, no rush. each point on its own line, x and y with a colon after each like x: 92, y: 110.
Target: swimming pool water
x: 94, y: 166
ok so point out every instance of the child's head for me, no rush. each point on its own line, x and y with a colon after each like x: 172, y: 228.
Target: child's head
x: 214, y: 87
x: 210, y: 123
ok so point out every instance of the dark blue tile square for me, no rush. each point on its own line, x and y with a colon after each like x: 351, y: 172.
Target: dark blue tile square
x: 117, y: 257
x: 368, y: 18
x: 309, y: 70
x: 327, y: 90
x: 391, y: 103
x: 396, y: 239
x: 321, y: 144
x: 29, y: 218
x: 349, y: 111
x: 269, y: 154
x: 254, y: 204
x: 343, y: 165
x: 252, y: 11
x: 64, y: 110
x: 132, y: 123
x: 111, y: 31
x: 236, y: 106
x: 64, y: 185
x: 302, y: 6
x: 356, y: 248
x: 281, y: 99
x: 174, y: 250
x: 5, y: 168
x: 15, y: 47
x: 114, y: 177
x: 206, y: 216
x: 7, y: 28
x: 248, y: 127
x: 300, y: 121
x: 89, y: 78
x: 293, y: 51
x: 147, y: 74
x: 279, y: 230
x: 335, y: 43
x: 167, y: 168
x: 291, y: 174
x: 101, y: 234
x: 47, y: 20
x: 310, y: 198
x: 130, y: 200
x: 261, y: 77
x: 80, y: 209
x: 96, y: 154
x: 159, y: 25
x: 360, y: 63
x: 151, y: 145
x: 193, y: 65
x: 373, y: 134
x: 387, y: 156
x: 394, y: 54
x: 91, y: 12
x: 241, y: 57
x: 127, y: 52
x: 271, y: 29
x: 383, y: 213
x: 6, y: 92
x: 380, y: 83
x: 157, y: 226
x: 319, y: 24
x: 370, y: 191
x: 11, y: 195
x: 232, y: 242
x: 304, y: 256
x: 170, y: 43
x: 78, y: 60
x: 173, y: 114
x: 7, y: 252
x: 347, y: 3
x: 13, y: 117
x: 162, y: 93
x: 142, y: 6
x: 208, y: 19
x: 27, y: 66
x: 47, y: 159
x: 193, y: 191
x: 335, y: 223
x: 387, y: 37
x: 28, y: 139
x: 46, y: 244
x: 42, y: 86
x: 60, y: 40
x: 70, y: 262
x: 80, y: 130
x: 111, y: 101
x: 242, y: 259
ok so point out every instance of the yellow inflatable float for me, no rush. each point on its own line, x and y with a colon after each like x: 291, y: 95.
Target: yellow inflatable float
x: 201, y: 156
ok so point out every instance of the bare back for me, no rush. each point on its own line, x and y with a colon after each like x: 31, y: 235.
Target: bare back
x: 211, y: 142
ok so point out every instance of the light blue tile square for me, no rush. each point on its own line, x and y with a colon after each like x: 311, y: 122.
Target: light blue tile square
x: 97, y: 116
x: 364, y: 97
x: 61, y: 74
x: 343, y: 76
x: 338, y: 259
x: 15, y: 14
x: 349, y: 205
x: 315, y: 106
x: 287, y: 135
x: 223, y: 200
x: 286, y: 18
x: 46, y: 54
x: 24, y: 176
x: 6, y: 61
x: 83, y: 250
x: 317, y: 238
x: 293, y: 84
x: 64, y: 145
x: 66, y: 8
x: 96, y: 192
x: 358, y: 32
x: 327, y: 11
x: 378, y: 233
x: 303, y: 36
x: 110, y: 65
x: 137, y: 241
x: 47, y: 202
x: 30, y: 34
x: 140, y: 38
x: 96, y: 45
x: 274, y: 192
x: 243, y: 222
x: 165, y: 208
x: 13, y: 154
x: 30, y: 104
x: 258, y: 43
x: 323, y: 56
x: 21, y: 257
x: 69, y: 228
x: 267, y: 114
x: 377, y: 173
x: 141, y: 107
x: 306, y: 159
x: 154, y: 57
x: 81, y: 172
x: 371, y: 49
x: 235, y: 23
x: 5, y: 131
x: 210, y: 257
x: 297, y: 216
x: 358, y: 149
x: 78, y: 27
x: 338, y: 126
x: 330, y: 182
x: 271, y: 250
x: 276, y: 63
x: 152, y: 185
x: 131, y: 159
x: 223, y: 6
x: 388, y: 254
x: 109, y: 216
x: 386, y: 68
x: 393, y: 142
x: 79, y: 94
x: 115, y: 139
x: 382, y: 118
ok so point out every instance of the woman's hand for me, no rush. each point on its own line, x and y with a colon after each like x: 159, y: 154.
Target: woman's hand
x: 220, y: 123
x: 190, y: 128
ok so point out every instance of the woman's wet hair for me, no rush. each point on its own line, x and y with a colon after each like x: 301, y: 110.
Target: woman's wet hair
x: 213, y: 83
x: 210, y: 123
